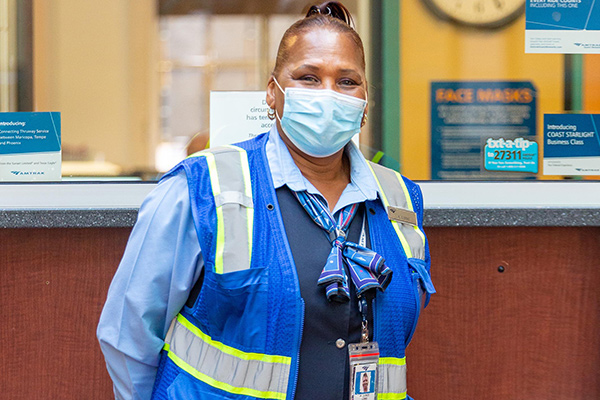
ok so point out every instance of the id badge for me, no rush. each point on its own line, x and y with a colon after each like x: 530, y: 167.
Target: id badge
x: 363, y: 370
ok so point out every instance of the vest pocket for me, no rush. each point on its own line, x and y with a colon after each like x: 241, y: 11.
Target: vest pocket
x: 237, y: 305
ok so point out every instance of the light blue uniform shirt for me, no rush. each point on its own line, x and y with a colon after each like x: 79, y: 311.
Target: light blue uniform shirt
x: 163, y: 260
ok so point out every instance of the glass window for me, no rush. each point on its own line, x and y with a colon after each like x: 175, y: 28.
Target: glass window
x: 8, y: 56
x: 132, y: 79
x: 204, y: 52
x: 465, y: 79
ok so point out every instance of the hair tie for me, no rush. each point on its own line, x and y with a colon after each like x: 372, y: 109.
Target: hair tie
x: 332, y: 9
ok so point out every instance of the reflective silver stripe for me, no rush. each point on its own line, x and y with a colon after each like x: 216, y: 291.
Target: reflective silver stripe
x: 394, y: 189
x: 226, y: 368
x: 230, y: 178
x: 392, y: 378
x: 233, y: 198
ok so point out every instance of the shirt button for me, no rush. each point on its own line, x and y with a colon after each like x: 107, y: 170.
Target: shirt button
x: 340, y: 343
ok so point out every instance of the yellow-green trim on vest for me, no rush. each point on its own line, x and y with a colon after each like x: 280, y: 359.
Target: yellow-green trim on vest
x: 232, y: 190
x: 224, y: 367
x: 392, y: 378
x: 394, y: 193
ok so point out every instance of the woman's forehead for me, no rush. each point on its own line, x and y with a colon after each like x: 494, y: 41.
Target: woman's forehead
x: 324, y: 44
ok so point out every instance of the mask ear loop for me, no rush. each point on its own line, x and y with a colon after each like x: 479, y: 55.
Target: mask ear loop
x: 282, y: 91
x: 365, y: 114
x: 278, y: 85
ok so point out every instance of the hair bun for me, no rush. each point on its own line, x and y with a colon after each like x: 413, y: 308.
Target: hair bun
x: 335, y: 9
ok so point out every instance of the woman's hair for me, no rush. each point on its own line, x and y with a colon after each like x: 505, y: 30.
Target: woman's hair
x: 330, y: 15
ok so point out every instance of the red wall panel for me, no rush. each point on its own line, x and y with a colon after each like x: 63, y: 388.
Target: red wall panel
x: 530, y: 332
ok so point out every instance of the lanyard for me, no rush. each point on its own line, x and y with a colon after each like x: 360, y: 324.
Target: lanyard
x: 362, y: 300
x: 363, y: 356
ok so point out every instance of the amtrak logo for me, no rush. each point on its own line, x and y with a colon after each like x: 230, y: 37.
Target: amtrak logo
x: 19, y: 173
x: 588, y: 45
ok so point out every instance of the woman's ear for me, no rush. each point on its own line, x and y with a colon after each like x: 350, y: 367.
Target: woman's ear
x: 271, y: 88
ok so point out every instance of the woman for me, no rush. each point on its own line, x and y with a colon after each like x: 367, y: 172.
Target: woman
x: 257, y: 270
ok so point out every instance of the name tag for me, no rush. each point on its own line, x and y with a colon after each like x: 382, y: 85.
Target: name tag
x: 364, y: 358
x: 402, y: 215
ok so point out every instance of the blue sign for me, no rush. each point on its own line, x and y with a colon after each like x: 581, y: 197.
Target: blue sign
x: 30, y: 146
x: 468, y: 116
x: 29, y: 132
x: 562, y: 26
x: 519, y: 155
x: 571, y: 144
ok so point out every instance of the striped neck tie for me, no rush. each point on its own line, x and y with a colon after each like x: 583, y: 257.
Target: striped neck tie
x: 367, y: 268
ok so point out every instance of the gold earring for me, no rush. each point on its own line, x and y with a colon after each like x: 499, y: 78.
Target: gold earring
x: 271, y: 114
x: 364, y: 120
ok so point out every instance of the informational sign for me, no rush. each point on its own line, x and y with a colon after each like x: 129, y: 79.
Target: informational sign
x: 237, y: 116
x: 519, y: 155
x: 571, y: 144
x: 483, y: 130
x: 562, y: 26
x: 30, y: 146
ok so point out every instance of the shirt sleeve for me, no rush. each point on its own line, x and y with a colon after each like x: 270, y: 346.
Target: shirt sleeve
x: 161, y: 264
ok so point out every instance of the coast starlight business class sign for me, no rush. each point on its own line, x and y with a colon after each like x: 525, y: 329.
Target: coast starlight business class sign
x: 571, y: 144
x: 562, y: 26
x: 30, y: 146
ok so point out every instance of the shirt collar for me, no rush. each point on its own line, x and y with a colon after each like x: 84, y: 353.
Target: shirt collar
x: 284, y: 171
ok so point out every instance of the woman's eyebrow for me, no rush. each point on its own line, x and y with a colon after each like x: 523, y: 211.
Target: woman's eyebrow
x: 349, y: 71
x: 311, y: 67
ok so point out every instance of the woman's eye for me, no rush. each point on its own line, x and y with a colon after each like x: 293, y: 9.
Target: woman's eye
x: 308, y: 78
x: 347, y: 82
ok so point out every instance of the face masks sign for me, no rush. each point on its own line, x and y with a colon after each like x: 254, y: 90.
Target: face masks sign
x: 320, y: 122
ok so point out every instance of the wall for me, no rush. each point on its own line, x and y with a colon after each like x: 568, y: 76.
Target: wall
x: 529, y: 332
x: 51, y: 295
x: 95, y: 61
x: 434, y: 50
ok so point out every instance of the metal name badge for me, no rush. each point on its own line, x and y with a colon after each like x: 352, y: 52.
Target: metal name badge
x: 402, y: 215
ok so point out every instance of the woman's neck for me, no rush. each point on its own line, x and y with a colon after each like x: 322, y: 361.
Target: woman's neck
x: 329, y: 175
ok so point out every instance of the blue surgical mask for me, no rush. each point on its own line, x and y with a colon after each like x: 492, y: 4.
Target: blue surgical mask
x: 320, y: 122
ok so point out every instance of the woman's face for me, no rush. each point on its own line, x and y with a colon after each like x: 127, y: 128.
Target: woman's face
x: 320, y: 59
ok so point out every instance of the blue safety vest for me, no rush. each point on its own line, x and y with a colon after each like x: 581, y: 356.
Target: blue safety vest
x: 241, y: 338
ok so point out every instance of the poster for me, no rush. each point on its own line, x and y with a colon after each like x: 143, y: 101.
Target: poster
x: 236, y: 116
x: 562, y: 26
x: 30, y: 146
x: 483, y: 130
x: 571, y: 144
